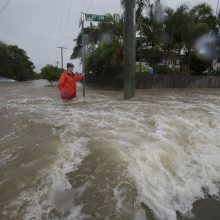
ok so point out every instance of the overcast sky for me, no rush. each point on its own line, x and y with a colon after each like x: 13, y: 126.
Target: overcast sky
x: 40, y: 26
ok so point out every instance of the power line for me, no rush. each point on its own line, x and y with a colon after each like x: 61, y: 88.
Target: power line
x: 57, y: 64
x: 89, y: 6
x: 79, y: 15
x: 4, y: 6
x: 77, y: 20
x: 65, y: 22
x: 67, y: 18
x: 61, y: 21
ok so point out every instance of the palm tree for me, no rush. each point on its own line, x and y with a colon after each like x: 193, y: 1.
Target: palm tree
x: 200, y: 21
x: 175, y: 27
x: 141, y: 6
x: 152, y: 30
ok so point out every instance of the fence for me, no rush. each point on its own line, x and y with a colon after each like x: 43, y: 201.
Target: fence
x: 177, y: 81
x: 161, y: 81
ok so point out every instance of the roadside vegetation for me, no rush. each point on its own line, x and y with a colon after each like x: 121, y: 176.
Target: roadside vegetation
x: 183, y: 41
x: 166, y: 42
x: 50, y: 73
x: 15, y: 64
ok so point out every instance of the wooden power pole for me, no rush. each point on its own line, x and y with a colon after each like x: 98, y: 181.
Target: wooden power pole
x: 61, y: 48
x: 129, y: 48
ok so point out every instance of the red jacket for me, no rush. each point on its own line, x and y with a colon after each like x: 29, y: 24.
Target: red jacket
x: 67, y: 84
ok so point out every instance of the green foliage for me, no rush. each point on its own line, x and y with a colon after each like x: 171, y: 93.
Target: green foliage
x: 103, y: 61
x: 50, y: 73
x: 161, y: 34
x: 96, y: 35
x: 105, y: 56
x: 37, y: 76
x: 77, y: 49
x: 141, y: 70
x: 15, y: 64
x: 165, y: 70
x: 5, y: 64
x: 182, y: 27
x: 197, y: 65
x: 153, y: 56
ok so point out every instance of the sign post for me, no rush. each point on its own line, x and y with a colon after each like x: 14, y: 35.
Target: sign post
x: 94, y: 17
x: 88, y: 17
x: 83, y: 55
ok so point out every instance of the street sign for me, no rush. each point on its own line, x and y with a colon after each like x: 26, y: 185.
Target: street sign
x: 94, y: 17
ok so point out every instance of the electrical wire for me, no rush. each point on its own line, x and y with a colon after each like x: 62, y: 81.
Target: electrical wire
x: 4, y: 6
x: 77, y: 18
x: 80, y: 11
x: 67, y: 17
x: 61, y: 22
x: 79, y: 15
x: 91, y: 2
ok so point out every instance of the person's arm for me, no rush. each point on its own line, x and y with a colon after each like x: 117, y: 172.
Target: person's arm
x: 61, y: 81
x: 79, y: 76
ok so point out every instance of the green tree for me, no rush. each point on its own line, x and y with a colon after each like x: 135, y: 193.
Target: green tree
x: 103, y: 62
x: 15, y: 64
x: 105, y: 49
x: 161, y: 34
x: 175, y: 30
x: 183, y: 27
x: 5, y: 64
x: 21, y: 64
x: 150, y: 29
x: 96, y: 35
x: 201, y: 20
x: 50, y: 73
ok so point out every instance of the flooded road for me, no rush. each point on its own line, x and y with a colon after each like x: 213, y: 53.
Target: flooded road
x: 101, y: 157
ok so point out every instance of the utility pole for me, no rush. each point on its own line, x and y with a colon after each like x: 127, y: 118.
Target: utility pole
x: 57, y: 63
x: 61, y: 49
x: 140, y: 46
x: 83, y: 53
x: 129, y: 48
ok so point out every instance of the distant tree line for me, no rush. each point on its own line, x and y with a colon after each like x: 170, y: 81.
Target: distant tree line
x: 15, y: 64
x: 165, y: 36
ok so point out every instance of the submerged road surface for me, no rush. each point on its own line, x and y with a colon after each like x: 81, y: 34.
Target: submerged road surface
x: 101, y: 157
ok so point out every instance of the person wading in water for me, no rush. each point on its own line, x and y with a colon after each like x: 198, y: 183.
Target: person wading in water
x: 67, y: 83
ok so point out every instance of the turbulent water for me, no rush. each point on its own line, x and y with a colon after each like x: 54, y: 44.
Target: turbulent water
x: 101, y: 157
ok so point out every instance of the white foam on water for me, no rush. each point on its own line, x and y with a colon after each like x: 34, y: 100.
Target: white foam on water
x: 6, y: 156
x: 3, y: 79
x: 176, y: 164
x: 173, y: 156
x: 28, y: 100
x: 10, y: 135
x: 53, y: 180
x: 70, y: 155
